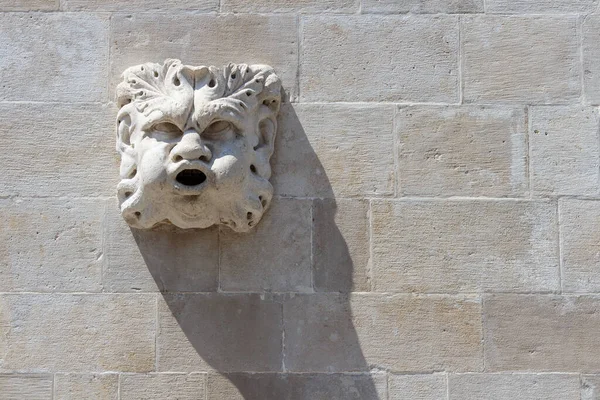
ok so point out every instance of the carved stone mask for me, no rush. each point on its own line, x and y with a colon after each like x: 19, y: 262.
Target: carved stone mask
x: 195, y: 144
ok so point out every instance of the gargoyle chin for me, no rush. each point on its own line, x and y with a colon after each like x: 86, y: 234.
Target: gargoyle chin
x: 195, y: 144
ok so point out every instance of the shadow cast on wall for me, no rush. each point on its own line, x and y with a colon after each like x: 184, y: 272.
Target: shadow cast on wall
x: 269, y: 311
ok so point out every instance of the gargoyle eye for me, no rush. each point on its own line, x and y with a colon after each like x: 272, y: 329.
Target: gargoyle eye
x: 168, y: 128
x: 217, y: 127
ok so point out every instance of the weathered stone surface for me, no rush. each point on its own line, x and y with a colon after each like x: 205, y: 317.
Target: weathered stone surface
x: 513, y: 386
x: 341, y: 250
x: 166, y: 258
x: 207, y: 40
x: 223, y: 332
x: 541, y: 333
x: 303, y: 6
x: 78, y: 333
x: 23, y: 386
x: 331, y: 333
x: 163, y: 386
x: 373, y: 58
x: 462, y: 151
x: 332, y: 150
x: 276, y: 257
x: 53, y: 57
x: 88, y: 386
x: 59, y: 143
x: 465, y: 246
x: 417, y: 387
x: 297, y: 386
x: 140, y: 5
x: 590, y: 387
x: 28, y: 5
x: 564, y: 150
x: 520, y: 59
x: 540, y: 6
x: 422, y: 6
x: 50, y: 245
x: 580, y: 241
x: 591, y: 58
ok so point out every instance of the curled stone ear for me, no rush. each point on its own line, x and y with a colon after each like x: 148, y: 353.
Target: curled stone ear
x: 124, y: 146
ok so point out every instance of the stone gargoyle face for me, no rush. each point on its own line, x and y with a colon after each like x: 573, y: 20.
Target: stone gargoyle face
x: 195, y: 144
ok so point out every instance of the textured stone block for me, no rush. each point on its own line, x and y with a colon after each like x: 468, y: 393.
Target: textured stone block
x: 223, y: 332
x: 465, y: 246
x: 341, y: 249
x: 165, y: 258
x: 462, y: 151
x: 417, y: 387
x: 564, y: 150
x: 30, y: 387
x: 140, y: 5
x: 88, y: 386
x: 303, y: 6
x: 373, y: 58
x: 59, y: 142
x: 53, y: 57
x: 541, y: 333
x: 422, y: 6
x: 580, y: 244
x: 207, y: 40
x: 540, y: 6
x: 590, y: 387
x: 275, y: 257
x: 50, y: 245
x: 591, y: 58
x: 163, y: 386
x: 330, y: 150
x: 28, y: 5
x: 520, y: 59
x: 297, y: 386
x: 513, y: 386
x: 331, y: 333
x: 78, y: 333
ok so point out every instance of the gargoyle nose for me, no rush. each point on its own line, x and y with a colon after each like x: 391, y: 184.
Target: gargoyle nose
x: 191, y: 147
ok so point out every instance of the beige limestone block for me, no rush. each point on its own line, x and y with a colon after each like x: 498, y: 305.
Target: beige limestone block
x: 50, y: 149
x: 423, y: 6
x: 77, y: 332
x: 29, y: 5
x: 303, y: 6
x: 297, y: 386
x: 217, y: 331
x: 377, y: 58
x: 528, y: 59
x: 540, y: 6
x: 514, y: 386
x: 332, y: 150
x: 275, y: 257
x: 590, y: 387
x: 163, y: 386
x: 465, y: 246
x: 49, y: 245
x: 86, y: 386
x: 580, y: 245
x: 417, y: 387
x: 53, y: 57
x: 165, y: 258
x: 541, y: 333
x: 462, y: 151
x: 341, y: 249
x: 330, y: 332
x: 564, y: 150
x: 591, y: 58
x: 26, y: 386
x: 140, y: 5
x: 198, y: 39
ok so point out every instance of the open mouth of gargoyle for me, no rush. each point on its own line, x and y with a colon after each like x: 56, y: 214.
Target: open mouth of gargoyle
x: 191, y: 177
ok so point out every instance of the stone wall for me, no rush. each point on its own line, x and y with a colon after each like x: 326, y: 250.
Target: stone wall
x: 435, y: 233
